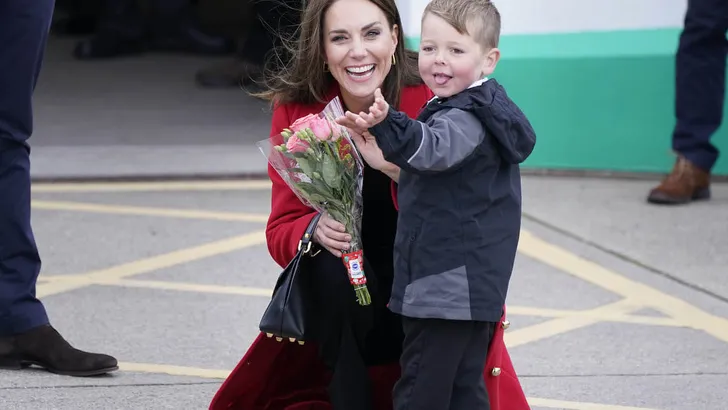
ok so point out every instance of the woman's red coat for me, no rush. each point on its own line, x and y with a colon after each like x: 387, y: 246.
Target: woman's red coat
x: 287, y: 376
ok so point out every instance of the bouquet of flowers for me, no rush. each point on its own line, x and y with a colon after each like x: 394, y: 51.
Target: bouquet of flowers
x: 316, y: 157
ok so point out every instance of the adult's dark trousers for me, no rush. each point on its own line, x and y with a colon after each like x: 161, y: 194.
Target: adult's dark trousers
x: 700, y: 81
x: 24, y: 26
x: 125, y: 18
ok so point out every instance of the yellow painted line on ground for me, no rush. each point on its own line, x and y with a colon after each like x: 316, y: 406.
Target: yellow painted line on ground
x: 153, y: 263
x: 678, y: 309
x: 597, y: 315
x: 622, y: 318
x: 174, y: 370
x: 164, y: 285
x: 223, y: 374
x: 187, y: 287
x: 561, y: 325
x: 577, y: 405
x: 148, y: 211
x: 243, y: 185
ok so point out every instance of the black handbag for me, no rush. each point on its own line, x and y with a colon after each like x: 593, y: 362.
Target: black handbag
x: 287, y: 313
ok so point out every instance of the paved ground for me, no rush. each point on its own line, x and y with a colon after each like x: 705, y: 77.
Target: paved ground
x: 141, y: 116
x: 172, y: 278
x: 615, y: 304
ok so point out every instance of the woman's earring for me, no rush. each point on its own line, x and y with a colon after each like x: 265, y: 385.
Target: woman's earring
x: 394, y: 60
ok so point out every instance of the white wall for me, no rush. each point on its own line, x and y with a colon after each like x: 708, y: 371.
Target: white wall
x: 554, y: 16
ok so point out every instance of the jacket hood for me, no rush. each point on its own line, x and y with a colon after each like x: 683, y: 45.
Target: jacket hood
x: 502, y: 118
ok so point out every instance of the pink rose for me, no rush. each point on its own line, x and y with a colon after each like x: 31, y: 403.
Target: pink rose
x: 321, y: 129
x: 295, y: 144
x: 303, y: 122
x: 336, y: 131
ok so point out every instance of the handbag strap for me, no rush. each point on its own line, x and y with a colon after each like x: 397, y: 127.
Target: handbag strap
x: 307, y: 239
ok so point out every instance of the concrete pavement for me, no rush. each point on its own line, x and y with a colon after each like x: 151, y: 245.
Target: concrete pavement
x: 615, y: 304
x: 172, y: 277
x: 141, y: 116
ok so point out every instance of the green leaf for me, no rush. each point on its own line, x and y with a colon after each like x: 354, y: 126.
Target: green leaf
x: 305, y: 166
x: 301, y: 154
x: 330, y: 172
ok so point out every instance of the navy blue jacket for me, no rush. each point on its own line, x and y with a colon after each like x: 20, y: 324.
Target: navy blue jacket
x: 459, y: 198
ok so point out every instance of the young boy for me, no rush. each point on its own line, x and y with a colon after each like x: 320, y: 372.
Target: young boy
x: 459, y: 200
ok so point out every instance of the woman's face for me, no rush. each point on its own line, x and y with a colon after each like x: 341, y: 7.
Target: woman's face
x: 359, y: 45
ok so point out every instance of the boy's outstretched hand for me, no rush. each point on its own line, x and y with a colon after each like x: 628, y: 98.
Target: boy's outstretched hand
x: 362, y: 121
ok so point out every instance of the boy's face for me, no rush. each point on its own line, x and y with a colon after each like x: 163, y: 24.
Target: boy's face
x: 450, y: 61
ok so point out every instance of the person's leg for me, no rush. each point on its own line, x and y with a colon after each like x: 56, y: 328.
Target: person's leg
x: 120, y: 31
x: 469, y: 391
x: 171, y: 26
x: 25, y: 335
x: 431, y: 354
x: 174, y: 25
x: 23, y: 33
x: 700, y: 81
x: 699, y: 95
x: 274, y: 22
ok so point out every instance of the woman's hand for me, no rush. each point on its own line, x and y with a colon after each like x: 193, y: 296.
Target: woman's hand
x: 331, y: 235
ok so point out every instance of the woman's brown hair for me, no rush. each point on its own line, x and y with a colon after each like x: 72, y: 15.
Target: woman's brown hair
x: 299, y: 77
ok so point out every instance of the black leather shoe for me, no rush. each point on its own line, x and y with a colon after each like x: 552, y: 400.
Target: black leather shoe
x: 45, y: 347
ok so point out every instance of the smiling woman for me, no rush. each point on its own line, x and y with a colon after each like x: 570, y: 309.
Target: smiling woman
x: 359, y: 45
x: 346, y: 49
x: 359, y: 52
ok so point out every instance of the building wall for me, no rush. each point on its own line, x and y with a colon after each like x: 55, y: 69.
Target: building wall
x: 568, y: 16
x: 596, y: 79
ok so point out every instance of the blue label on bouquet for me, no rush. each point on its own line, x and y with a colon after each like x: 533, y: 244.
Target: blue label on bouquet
x: 354, y: 262
x: 355, y: 269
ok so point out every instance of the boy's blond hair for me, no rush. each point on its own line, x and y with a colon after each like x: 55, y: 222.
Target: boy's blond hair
x: 479, y: 19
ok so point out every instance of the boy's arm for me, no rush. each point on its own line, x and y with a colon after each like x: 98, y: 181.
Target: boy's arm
x: 436, y: 146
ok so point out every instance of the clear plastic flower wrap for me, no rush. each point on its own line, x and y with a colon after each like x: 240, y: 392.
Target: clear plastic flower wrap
x: 317, y: 159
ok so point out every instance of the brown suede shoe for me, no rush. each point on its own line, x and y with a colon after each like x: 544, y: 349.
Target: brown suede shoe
x: 45, y: 347
x: 685, y: 183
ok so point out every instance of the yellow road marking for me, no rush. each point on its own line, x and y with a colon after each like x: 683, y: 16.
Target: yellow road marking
x: 605, y: 317
x: 678, y: 309
x: 597, y: 315
x: 148, y: 211
x: 165, y: 285
x: 637, y: 295
x: 174, y: 370
x: 223, y: 374
x: 561, y: 325
x: 153, y: 263
x: 577, y: 405
x: 243, y: 185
